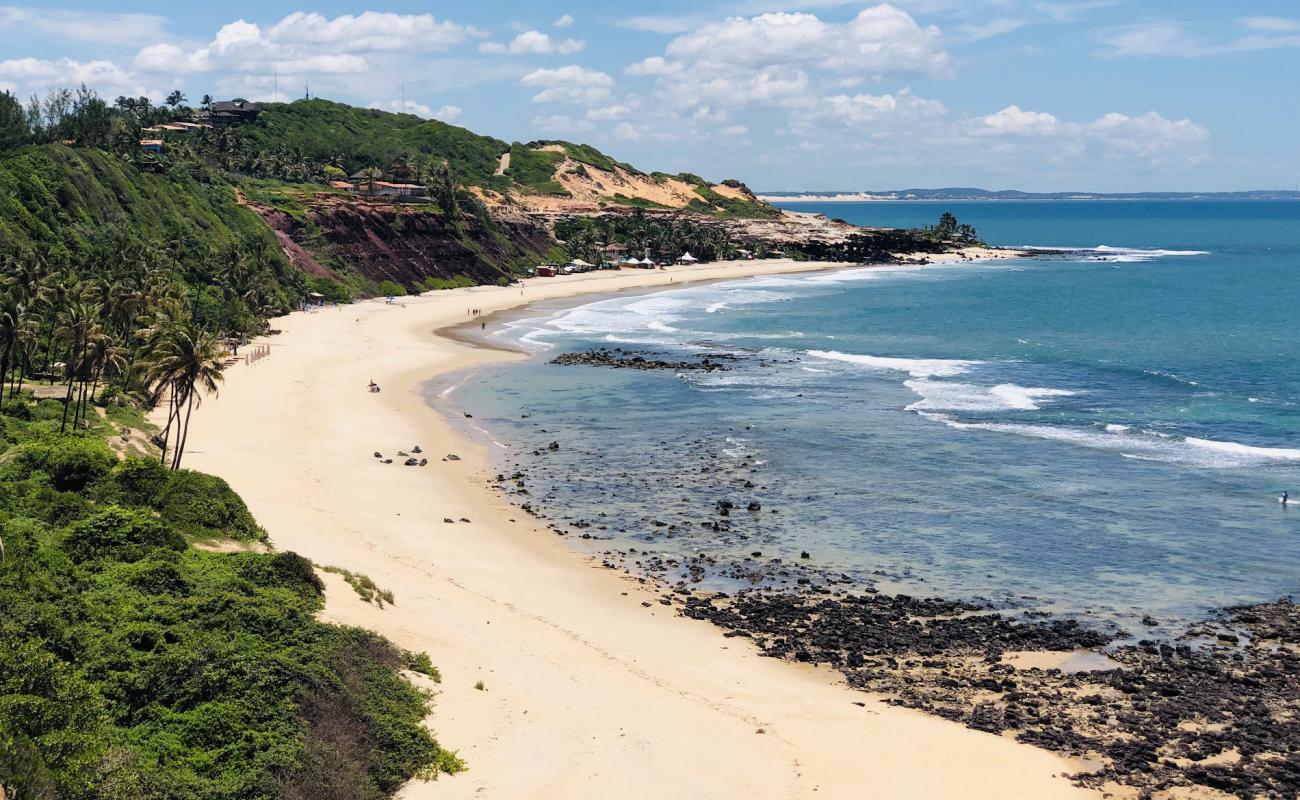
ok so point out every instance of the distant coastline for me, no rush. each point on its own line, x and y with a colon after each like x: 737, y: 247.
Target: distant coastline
x: 966, y: 194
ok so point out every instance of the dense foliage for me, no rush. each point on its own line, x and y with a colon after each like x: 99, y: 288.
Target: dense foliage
x: 351, y: 139
x: 136, y: 666
x: 667, y: 236
x: 84, y: 212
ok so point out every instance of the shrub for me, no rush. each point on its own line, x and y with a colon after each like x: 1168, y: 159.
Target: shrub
x: 72, y: 462
x: 139, y: 481
x: 156, y: 576
x: 293, y: 569
x: 421, y: 663
x: 205, y: 506
x: 390, y: 288
x: 121, y: 534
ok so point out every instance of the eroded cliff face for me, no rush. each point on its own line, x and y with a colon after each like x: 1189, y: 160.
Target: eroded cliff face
x: 377, y: 242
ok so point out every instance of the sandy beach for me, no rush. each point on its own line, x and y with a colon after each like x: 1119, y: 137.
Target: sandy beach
x: 590, y: 688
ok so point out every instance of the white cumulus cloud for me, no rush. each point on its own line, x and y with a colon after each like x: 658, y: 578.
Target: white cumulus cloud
x: 569, y: 84
x: 534, y: 43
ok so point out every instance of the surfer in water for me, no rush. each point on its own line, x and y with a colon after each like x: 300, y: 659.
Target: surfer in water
x: 1286, y: 498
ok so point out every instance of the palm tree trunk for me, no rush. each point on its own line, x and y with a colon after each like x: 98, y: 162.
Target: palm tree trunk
x: 167, y: 431
x: 67, y: 401
x: 185, y: 433
x: 22, y: 374
x: 4, y: 371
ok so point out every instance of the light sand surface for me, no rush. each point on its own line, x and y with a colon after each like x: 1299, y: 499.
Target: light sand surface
x: 588, y: 693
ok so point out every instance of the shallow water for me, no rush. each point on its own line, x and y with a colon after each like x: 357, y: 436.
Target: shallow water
x: 1100, y: 432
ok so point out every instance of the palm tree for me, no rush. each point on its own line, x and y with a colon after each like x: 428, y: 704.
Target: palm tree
x: 78, y: 324
x: 12, y: 315
x: 442, y: 184
x: 369, y: 175
x: 187, y: 363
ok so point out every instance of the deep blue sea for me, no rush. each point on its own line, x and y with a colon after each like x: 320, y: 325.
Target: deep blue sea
x: 1103, y: 432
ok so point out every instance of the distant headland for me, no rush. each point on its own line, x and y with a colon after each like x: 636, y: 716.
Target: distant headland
x: 958, y: 193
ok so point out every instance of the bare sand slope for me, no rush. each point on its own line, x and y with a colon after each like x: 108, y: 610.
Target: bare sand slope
x: 588, y: 693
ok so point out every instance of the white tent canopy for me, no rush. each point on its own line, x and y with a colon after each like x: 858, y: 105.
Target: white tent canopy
x: 687, y: 257
x: 578, y: 262
x: 647, y: 260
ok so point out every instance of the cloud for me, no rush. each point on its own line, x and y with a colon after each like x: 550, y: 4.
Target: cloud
x: 371, y: 30
x: 1012, y: 121
x: 569, y: 84
x: 40, y: 74
x: 564, y: 21
x: 788, y: 60
x: 659, y: 24
x: 534, y: 43
x: 1149, y: 137
x: 867, y: 109
x: 305, y: 43
x: 83, y: 26
x: 447, y: 113
x: 880, y: 40
x: 606, y: 113
x: 992, y: 28
x: 1271, y: 24
x: 1172, y: 40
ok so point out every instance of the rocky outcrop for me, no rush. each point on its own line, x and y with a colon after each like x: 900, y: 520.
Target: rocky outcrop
x: 618, y: 358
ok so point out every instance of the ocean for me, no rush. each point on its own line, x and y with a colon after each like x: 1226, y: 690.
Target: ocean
x: 1102, y: 430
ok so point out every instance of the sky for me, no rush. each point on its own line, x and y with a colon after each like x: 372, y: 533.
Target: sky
x: 1039, y: 95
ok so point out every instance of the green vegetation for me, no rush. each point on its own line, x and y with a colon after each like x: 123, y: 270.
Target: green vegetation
x: 667, y: 236
x: 534, y: 170
x: 325, y: 133
x: 136, y: 666
x: 421, y: 663
x: 714, y: 203
x: 950, y: 230
x: 366, y: 588
x: 458, y: 282
x: 584, y: 153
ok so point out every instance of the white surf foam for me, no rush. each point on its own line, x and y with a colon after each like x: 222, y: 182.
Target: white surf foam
x: 916, y: 367
x: 1141, y: 446
x: 1247, y: 451
x: 1116, y: 254
x: 955, y: 396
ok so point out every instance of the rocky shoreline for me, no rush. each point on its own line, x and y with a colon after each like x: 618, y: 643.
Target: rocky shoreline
x: 1210, y: 710
x: 618, y: 358
x: 1217, y: 708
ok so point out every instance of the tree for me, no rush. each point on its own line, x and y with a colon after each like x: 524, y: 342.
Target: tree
x: 175, y: 99
x: 446, y: 192
x: 369, y: 176
x: 14, y: 130
x: 186, y: 363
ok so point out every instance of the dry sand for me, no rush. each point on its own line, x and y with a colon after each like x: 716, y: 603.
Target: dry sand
x: 588, y: 693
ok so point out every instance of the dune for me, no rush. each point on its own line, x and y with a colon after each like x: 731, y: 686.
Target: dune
x: 590, y: 688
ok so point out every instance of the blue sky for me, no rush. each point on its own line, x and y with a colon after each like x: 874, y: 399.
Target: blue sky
x: 1103, y: 95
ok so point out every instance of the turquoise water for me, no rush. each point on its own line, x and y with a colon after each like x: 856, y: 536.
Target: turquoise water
x: 1103, y: 432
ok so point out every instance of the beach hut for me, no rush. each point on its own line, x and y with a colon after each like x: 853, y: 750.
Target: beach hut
x: 687, y: 258
x: 580, y: 266
x: 647, y: 262
x: 545, y: 271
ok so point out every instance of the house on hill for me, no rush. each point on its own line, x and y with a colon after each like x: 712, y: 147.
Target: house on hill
x: 230, y: 111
